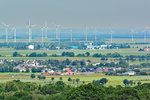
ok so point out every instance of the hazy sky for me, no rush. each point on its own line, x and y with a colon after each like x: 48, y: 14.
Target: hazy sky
x: 77, y: 13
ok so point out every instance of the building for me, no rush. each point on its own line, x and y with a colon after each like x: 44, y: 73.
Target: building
x: 91, y: 46
x: 31, y: 47
x: 131, y: 73
x: 147, y: 49
x: 74, y: 47
x: 105, y: 46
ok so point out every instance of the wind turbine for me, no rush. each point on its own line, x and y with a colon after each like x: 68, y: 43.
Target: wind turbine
x: 42, y: 31
x: 144, y: 35
x: 111, y: 38
x: 86, y: 33
x: 71, y: 35
x: 15, y: 31
x: 95, y: 33
x: 30, y: 30
x: 132, y: 35
x: 6, y: 30
x: 46, y: 28
x: 57, y: 30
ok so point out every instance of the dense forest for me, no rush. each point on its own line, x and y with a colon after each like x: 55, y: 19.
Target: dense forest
x: 17, y: 90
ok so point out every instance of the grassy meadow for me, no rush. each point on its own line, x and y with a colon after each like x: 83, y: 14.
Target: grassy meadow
x: 130, y: 51
x: 112, y: 80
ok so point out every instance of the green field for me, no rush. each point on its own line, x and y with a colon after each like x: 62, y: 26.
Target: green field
x: 8, y: 53
x: 132, y: 51
x: 112, y: 80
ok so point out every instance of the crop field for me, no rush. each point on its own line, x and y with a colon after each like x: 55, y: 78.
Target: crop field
x: 112, y: 80
x: 131, y: 51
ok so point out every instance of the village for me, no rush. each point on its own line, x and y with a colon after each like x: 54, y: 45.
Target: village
x: 64, y: 67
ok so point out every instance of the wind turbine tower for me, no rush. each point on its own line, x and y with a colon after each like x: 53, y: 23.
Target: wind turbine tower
x: 144, y: 31
x: 6, y: 30
x: 86, y: 33
x: 15, y: 34
x: 57, y: 30
x: 30, y: 30
x: 95, y: 34
x: 132, y: 35
x: 71, y: 35
x: 42, y: 31
x: 46, y: 28
x: 111, y: 40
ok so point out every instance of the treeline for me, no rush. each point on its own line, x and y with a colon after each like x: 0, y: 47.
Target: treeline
x: 17, y: 90
x: 69, y: 54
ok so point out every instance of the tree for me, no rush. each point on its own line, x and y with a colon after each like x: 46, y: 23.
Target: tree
x: 83, y: 82
x: 103, y: 58
x: 16, y: 54
x: 69, y: 79
x: 33, y: 54
x: 87, y: 54
x: 39, y: 76
x: 89, y: 60
x: 103, y: 81
x: 52, y: 78
x: 77, y: 80
x: 82, y: 63
x: 61, y: 78
x: 43, y: 77
x: 74, y: 81
x: 34, y: 70
x: 86, y: 92
x: 134, y: 83
x: 128, y: 93
x: 16, y: 70
x: 32, y: 75
x: 60, y: 83
x: 27, y: 70
x: 44, y: 54
x: 68, y: 61
x: 131, y: 83
x: 63, y: 54
x: 139, y: 83
x: 125, y: 81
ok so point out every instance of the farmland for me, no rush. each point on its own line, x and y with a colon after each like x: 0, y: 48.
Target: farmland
x: 131, y: 51
x: 112, y: 80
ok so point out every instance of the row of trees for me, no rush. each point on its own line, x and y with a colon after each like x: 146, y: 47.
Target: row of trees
x: 87, y: 54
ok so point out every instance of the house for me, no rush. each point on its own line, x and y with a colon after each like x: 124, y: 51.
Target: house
x: 47, y: 71
x: 31, y: 47
x: 112, y: 69
x: 91, y: 46
x: 74, y: 47
x: 147, y: 49
x: 131, y: 73
x: 118, y: 68
x: 105, y: 69
x: 67, y: 71
x: 21, y: 69
x: 105, y: 46
x: 95, y: 64
x: 99, y: 69
x: 57, y: 48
